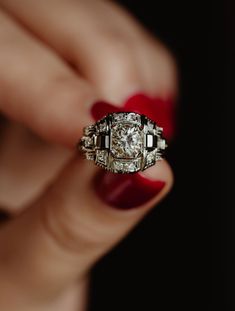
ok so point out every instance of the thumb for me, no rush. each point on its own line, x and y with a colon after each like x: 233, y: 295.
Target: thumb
x: 82, y: 215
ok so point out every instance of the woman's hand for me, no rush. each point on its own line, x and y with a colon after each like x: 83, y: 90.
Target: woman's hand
x: 59, y: 61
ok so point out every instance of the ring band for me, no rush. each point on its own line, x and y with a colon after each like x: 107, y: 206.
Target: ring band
x: 123, y: 142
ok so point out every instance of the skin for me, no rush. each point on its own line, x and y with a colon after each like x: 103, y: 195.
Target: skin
x: 52, y: 71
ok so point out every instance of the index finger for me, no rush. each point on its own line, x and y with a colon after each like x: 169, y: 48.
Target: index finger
x: 38, y: 89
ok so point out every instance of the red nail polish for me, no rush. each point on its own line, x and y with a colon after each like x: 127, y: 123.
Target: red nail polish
x: 125, y: 191
x: 101, y: 109
x: 162, y: 111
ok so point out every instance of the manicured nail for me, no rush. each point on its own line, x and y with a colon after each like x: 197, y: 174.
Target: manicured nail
x: 125, y: 191
x: 101, y: 109
x: 162, y: 111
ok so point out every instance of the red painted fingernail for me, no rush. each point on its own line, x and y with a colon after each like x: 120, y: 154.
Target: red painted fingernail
x: 101, y: 109
x: 125, y: 191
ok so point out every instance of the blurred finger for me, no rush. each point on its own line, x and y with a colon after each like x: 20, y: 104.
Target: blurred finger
x: 74, y: 223
x: 38, y: 89
x: 103, y: 42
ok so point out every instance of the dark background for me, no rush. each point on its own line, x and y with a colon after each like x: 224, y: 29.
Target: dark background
x: 181, y: 256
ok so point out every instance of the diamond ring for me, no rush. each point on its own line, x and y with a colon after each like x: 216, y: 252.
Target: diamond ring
x: 123, y: 142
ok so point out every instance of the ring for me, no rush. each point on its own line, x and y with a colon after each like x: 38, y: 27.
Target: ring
x: 123, y: 142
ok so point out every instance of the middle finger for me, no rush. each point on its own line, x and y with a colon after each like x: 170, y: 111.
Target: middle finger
x: 103, y: 42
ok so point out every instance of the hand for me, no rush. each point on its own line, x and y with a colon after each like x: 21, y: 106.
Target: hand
x: 61, y: 62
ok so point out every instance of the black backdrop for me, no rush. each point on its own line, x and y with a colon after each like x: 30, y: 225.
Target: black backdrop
x: 180, y: 256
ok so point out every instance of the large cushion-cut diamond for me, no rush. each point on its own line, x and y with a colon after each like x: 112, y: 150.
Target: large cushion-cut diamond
x: 126, y: 140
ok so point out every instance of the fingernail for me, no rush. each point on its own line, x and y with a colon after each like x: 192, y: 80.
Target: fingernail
x: 162, y: 111
x: 101, y: 109
x: 125, y: 191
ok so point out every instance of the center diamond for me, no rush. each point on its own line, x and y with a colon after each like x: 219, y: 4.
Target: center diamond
x: 126, y: 140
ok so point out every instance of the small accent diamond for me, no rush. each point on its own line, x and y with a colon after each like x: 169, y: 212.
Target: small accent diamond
x: 159, y: 130
x: 127, y: 117
x: 117, y: 117
x: 89, y: 130
x: 101, y: 156
x: 150, y: 158
x: 158, y: 156
x: 161, y: 144
x: 90, y: 156
x: 117, y: 166
x: 89, y: 142
x: 151, y: 126
x: 129, y: 167
x: 102, y: 126
x: 133, y: 117
x: 126, y: 167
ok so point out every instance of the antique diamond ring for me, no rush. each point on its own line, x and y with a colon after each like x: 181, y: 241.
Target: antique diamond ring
x: 123, y: 142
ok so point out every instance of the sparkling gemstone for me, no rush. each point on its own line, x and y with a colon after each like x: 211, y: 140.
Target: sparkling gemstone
x: 126, y: 140
x: 126, y: 167
x: 130, y: 167
x: 161, y: 144
x: 102, y: 126
x: 150, y: 158
x: 127, y: 116
x: 158, y: 156
x: 151, y: 126
x: 117, y: 166
x: 90, y: 156
x: 117, y: 117
x: 133, y: 117
x: 89, y: 130
x: 101, y: 156
x: 89, y: 142
x: 146, y: 129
